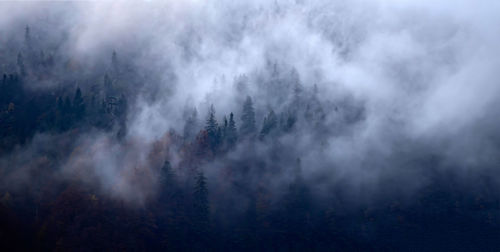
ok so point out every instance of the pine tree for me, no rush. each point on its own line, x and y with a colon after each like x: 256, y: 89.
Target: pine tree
x: 212, y: 128
x: 231, y: 132
x: 248, y: 118
x: 270, y: 123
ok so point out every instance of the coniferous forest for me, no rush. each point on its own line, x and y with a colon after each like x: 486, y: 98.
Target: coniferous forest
x: 249, y: 126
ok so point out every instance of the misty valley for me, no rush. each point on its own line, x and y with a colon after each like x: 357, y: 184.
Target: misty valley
x: 249, y: 126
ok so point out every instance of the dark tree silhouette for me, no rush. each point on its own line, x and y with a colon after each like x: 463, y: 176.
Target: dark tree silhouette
x: 115, y: 63
x: 248, y: 119
x: 201, y: 211
x: 212, y: 129
x: 269, y: 125
x: 78, y: 105
x: 20, y: 65
x: 231, y: 132
x: 191, y: 124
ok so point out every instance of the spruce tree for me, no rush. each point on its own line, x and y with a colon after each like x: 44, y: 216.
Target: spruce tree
x: 231, y: 132
x: 224, y: 128
x: 212, y: 128
x: 248, y: 118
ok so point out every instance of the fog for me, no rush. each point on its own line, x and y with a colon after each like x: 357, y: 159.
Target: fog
x: 401, y: 83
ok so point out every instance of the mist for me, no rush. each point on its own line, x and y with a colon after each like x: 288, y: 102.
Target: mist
x: 376, y: 101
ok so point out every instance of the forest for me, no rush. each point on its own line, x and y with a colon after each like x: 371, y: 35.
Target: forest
x: 121, y: 146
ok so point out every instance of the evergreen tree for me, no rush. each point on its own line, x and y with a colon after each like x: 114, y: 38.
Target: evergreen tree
x: 224, y: 128
x: 287, y: 121
x: 298, y: 207
x: 121, y: 113
x: 218, y: 137
x: 295, y: 108
x: 27, y: 37
x: 166, y: 174
x: 314, y: 113
x: 93, y: 110
x: 297, y: 100
x: 201, y: 197
x: 108, y: 85
x: 231, y: 132
x: 67, y: 114
x: 78, y: 105
x: 248, y: 118
x: 20, y: 65
x: 4, y: 95
x: 191, y: 124
x: 201, y: 210
x: 167, y: 181
x: 60, y: 104
x: 212, y: 128
x: 61, y: 114
x: 249, y: 234
x: 270, y: 123
x: 121, y: 107
x: 41, y: 58
x: 114, y: 63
